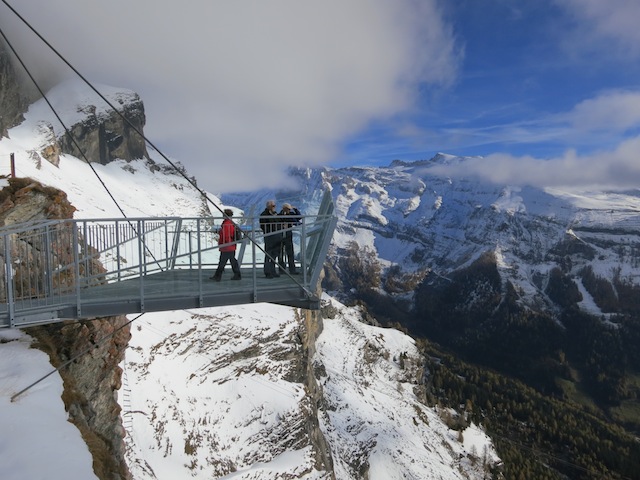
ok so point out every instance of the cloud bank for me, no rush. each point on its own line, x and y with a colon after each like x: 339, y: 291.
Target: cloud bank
x: 611, y: 170
x: 610, y: 25
x: 615, y: 166
x: 236, y: 91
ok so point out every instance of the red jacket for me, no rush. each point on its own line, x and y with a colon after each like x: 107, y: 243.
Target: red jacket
x: 227, y: 234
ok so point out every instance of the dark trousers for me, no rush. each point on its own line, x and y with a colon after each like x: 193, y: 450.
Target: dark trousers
x: 286, y: 253
x: 272, y: 246
x: 224, y: 258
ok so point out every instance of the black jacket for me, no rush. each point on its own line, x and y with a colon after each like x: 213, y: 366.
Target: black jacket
x: 269, y: 222
x: 292, y: 219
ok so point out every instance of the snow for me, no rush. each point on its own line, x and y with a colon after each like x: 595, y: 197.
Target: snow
x: 210, y: 389
x: 212, y: 375
x: 510, y: 201
x: 37, y: 440
x: 72, y: 100
x: 587, y: 304
x: 138, y: 191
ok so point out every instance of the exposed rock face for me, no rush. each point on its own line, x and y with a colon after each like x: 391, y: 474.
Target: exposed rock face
x: 322, y: 452
x: 92, y: 379
x: 102, y: 138
x: 14, y: 98
x: 26, y: 200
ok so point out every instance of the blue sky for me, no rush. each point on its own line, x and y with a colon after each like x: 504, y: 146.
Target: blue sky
x: 547, y: 91
x: 526, y: 70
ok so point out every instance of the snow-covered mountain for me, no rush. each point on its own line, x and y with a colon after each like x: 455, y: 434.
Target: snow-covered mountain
x: 244, y: 392
x: 416, y: 222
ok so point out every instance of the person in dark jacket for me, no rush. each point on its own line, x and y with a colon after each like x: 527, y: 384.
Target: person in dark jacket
x: 271, y: 227
x: 287, y: 257
x: 227, y: 241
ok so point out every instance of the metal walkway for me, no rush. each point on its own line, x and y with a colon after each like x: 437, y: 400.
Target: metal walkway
x: 76, y: 269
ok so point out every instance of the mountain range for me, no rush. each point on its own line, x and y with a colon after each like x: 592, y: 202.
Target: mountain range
x: 415, y: 221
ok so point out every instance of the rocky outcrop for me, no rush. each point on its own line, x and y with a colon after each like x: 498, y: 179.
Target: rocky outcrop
x: 14, y: 96
x: 102, y: 138
x: 25, y: 200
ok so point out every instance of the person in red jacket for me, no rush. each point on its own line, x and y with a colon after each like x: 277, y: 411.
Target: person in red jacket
x: 227, y: 241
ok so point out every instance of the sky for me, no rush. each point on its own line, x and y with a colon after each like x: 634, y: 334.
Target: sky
x: 545, y: 91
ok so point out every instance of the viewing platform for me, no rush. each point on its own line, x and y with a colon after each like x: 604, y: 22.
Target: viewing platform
x: 57, y: 270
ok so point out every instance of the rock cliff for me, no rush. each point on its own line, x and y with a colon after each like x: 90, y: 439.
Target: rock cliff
x: 14, y: 95
x: 105, y: 137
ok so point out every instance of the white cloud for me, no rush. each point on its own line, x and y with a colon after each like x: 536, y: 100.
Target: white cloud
x: 612, y: 111
x: 613, y: 20
x: 615, y: 169
x: 237, y: 90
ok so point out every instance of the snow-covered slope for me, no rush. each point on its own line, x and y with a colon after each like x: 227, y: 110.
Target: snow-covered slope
x: 374, y: 419
x: 215, y: 393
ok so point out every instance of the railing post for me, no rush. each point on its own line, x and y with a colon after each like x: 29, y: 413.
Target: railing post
x: 166, y: 244
x: 175, y: 247
x: 142, y: 262
x: 303, y: 250
x: 9, y: 281
x: 76, y: 261
x: 87, y: 232
x: 118, y: 269
x: 199, y: 244
x: 48, y: 272
x: 255, y: 269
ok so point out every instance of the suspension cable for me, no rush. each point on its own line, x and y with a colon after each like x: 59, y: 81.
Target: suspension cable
x: 74, y: 358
